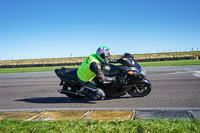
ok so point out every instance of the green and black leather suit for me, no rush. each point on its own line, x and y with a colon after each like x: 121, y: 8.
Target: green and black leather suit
x: 91, y: 67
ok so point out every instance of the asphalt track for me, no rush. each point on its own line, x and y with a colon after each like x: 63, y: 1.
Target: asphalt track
x: 175, y: 87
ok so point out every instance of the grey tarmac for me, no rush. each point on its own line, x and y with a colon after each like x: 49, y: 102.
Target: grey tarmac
x: 173, y: 88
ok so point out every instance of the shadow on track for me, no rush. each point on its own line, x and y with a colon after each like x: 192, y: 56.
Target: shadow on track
x: 53, y: 100
x: 112, y: 98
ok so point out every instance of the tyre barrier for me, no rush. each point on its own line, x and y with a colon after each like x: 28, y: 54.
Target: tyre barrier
x: 40, y: 65
x: 79, y: 63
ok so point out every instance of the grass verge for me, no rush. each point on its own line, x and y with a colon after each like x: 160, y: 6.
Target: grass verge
x: 74, y: 126
x: 144, y: 64
x: 170, y: 63
x: 32, y: 69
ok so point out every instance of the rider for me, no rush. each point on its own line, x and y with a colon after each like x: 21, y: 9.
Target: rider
x: 91, y: 68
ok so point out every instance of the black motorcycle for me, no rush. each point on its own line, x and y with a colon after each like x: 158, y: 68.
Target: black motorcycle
x: 130, y: 77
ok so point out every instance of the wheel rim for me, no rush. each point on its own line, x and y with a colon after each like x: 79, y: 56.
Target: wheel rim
x: 139, y: 90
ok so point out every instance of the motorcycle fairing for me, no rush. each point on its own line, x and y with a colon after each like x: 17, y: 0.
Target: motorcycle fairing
x: 69, y: 76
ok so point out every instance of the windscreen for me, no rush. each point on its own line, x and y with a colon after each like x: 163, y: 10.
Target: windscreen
x: 133, y: 63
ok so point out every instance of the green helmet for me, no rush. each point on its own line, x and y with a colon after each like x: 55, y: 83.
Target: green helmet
x: 103, y: 53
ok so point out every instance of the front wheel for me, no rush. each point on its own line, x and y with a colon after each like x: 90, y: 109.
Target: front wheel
x: 140, y: 90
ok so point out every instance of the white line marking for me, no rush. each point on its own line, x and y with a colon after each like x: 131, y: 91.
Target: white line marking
x: 178, y: 72
x: 35, y: 116
x: 84, y: 115
x: 196, y: 73
x: 101, y: 109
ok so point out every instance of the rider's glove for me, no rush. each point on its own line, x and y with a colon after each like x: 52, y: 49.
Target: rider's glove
x: 121, y: 81
x: 120, y: 61
x: 115, y: 82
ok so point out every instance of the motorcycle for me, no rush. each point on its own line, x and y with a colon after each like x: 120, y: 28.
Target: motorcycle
x: 131, y: 78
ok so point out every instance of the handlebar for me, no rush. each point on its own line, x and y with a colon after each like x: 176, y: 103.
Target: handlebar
x: 128, y: 55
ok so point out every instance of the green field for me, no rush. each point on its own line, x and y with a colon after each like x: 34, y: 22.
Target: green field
x: 144, y: 64
x: 32, y: 69
x: 82, y: 126
x: 170, y: 63
x: 81, y: 59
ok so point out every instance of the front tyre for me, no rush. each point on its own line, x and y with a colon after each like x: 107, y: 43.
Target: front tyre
x: 140, y: 90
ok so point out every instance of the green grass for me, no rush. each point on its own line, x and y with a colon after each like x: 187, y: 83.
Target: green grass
x: 82, y: 126
x: 144, y: 64
x: 32, y: 69
x: 170, y: 63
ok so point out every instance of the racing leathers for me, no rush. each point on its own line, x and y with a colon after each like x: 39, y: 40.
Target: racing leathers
x: 91, y: 68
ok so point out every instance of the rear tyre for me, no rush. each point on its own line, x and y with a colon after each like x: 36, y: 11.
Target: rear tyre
x: 72, y: 89
x: 139, y: 90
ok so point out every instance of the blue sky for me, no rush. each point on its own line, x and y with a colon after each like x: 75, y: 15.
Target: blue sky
x: 61, y: 28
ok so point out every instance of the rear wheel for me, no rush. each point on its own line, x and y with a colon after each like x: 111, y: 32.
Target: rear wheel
x: 72, y: 89
x: 139, y: 90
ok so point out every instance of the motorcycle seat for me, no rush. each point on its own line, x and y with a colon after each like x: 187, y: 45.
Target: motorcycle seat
x: 71, y: 74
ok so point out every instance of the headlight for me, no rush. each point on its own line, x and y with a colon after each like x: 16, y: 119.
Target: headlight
x: 130, y: 72
x: 133, y: 73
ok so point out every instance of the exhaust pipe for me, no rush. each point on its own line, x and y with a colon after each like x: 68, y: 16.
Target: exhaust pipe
x: 69, y: 92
